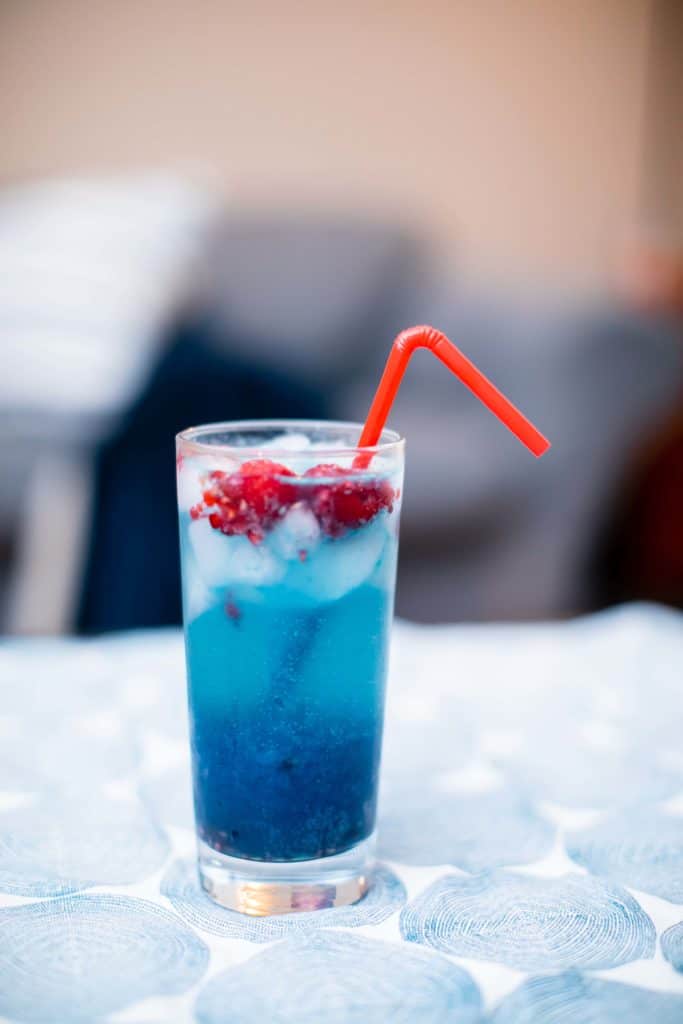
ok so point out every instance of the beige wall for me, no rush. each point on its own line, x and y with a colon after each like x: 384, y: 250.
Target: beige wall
x: 663, y: 179
x: 516, y: 127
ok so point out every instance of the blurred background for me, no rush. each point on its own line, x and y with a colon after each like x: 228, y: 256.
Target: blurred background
x: 219, y: 210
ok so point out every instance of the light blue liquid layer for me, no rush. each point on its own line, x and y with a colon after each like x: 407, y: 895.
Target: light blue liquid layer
x: 286, y: 687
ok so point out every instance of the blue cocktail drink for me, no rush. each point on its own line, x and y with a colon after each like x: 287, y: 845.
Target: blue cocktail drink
x: 289, y: 538
x: 289, y: 560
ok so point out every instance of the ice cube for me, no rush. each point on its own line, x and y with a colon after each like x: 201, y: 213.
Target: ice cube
x: 198, y: 596
x: 287, y: 443
x: 193, y: 476
x: 223, y: 561
x: 209, y: 463
x: 189, y: 485
x: 299, y: 531
x: 342, y: 564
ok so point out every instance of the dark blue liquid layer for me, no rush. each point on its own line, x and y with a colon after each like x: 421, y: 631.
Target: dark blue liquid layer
x: 286, y: 712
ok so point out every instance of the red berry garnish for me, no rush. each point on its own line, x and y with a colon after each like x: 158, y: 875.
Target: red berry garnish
x: 249, y: 501
x: 347, y: 503
x: 253, y: 499
x: 327, y: 469
x: 264, y: 490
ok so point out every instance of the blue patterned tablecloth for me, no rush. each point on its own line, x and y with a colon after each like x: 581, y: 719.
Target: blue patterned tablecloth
x: 531, y: 838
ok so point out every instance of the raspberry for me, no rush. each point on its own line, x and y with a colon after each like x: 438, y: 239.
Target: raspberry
x: 249, y: 501
x: 252, y: 500
x: 348, y: 504
x: 264, y: 491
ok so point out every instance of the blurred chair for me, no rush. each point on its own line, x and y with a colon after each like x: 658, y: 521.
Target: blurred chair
x: 641, y: 554
x: 90, y: 271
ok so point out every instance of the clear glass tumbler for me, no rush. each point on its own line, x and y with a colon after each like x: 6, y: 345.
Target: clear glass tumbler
x: 288, y: 548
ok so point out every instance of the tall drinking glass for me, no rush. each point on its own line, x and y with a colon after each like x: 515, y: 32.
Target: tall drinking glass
x: 288, y: 557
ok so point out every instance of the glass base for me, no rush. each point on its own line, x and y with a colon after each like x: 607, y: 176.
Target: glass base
x: 262, y: 888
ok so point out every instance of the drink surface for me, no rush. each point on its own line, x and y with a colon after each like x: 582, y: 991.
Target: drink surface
x: 287, y: 641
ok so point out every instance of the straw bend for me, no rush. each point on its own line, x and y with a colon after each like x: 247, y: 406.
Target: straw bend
x: 430, y: 338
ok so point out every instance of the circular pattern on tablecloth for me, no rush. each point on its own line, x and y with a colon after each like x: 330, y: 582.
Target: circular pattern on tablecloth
x: 531, y: 923
x: 672, y: 946
x: 407, y: 756
x: 77, y: 958
x: 65, y: 750
x: 639, y: 848
x: 180, y: 885
x: 170, y: 794
x: 340, y: 978
x: 588, y: 765
x: 473, y: 832
x: 574, y: 998
x: 61, y: 844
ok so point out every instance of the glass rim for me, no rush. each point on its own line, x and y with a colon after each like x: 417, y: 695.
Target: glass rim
x: 390, y: 440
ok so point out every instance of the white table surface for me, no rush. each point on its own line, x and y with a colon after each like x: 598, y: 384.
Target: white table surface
x: 531, y: 839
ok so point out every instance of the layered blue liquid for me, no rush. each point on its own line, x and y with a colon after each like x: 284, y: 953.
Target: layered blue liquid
x: 286, y: 691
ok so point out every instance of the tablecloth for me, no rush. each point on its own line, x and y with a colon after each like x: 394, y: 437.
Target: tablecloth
x: 531, y: 840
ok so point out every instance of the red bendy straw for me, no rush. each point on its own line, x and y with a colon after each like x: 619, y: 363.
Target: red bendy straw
x: 428, y: 337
